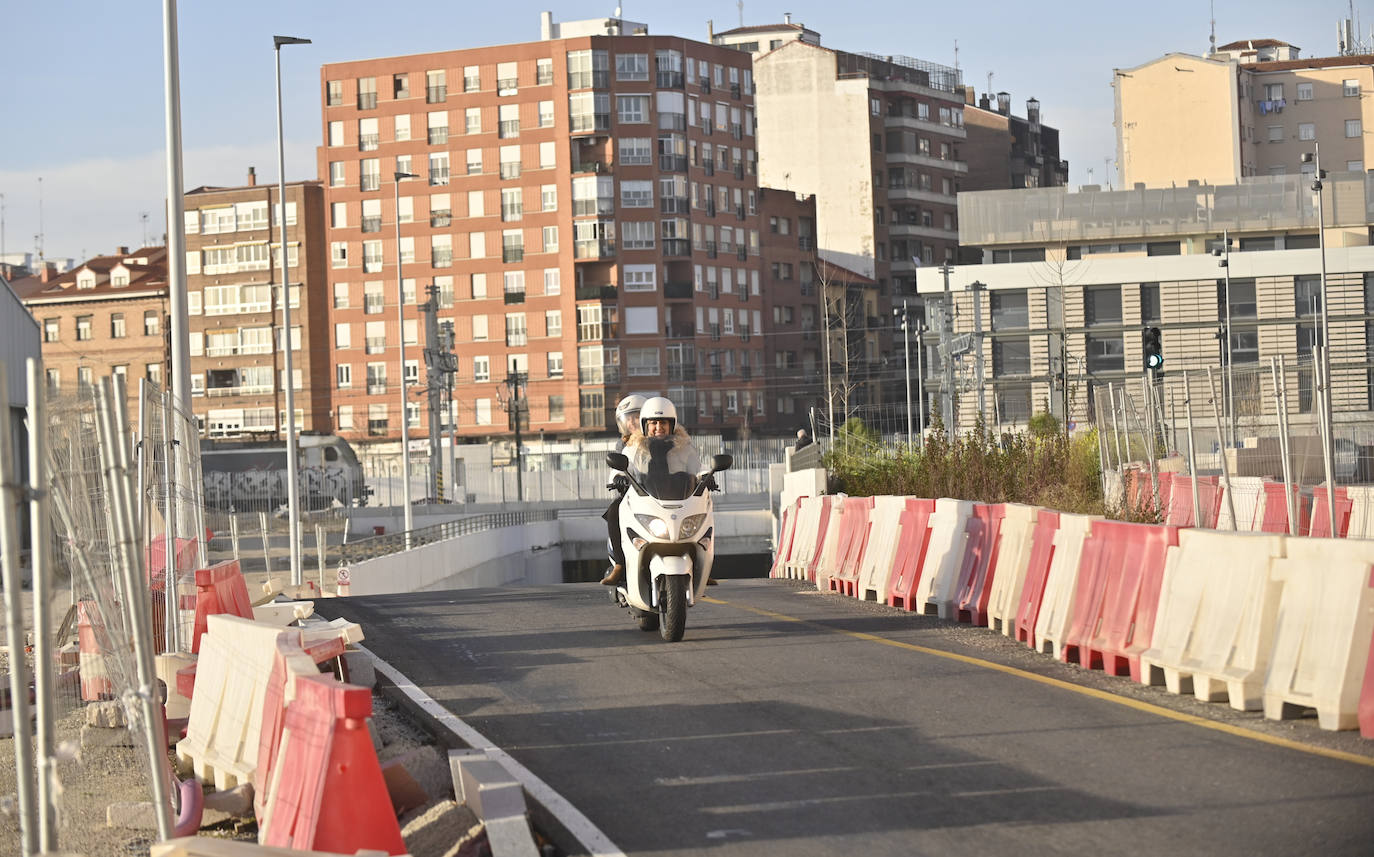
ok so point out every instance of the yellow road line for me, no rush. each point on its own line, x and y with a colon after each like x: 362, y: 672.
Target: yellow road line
x: 1138, y: 705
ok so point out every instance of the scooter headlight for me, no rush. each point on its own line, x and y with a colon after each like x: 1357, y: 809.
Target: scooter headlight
x: 691, y: 524
x: 657, y: 527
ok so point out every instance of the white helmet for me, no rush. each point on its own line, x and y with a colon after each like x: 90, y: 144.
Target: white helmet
x: 658, y: 408
x: 627, y: 412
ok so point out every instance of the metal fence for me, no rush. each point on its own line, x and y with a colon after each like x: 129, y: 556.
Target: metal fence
x: 392, y: 543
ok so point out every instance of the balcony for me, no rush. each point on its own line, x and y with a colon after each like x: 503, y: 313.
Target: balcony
x: 742, y: 253
x: 669, y: 80
x: 593, y: 249
x: 595, y: 293
x: 436, y: 94
x: 598, y: 375
x: 674, y: 205
x: 598, y: 79
x: 716, y: 374
x: 676, y: 291
x: 744, y: 299
x: 713, y: 289
x: 440, y: 218
x: 806, y: 242
x: 704, y: 83
x: 715, y: 337
x: 368, y: 142
x: 739, y: 212
x: 515, y: 297
x: 510, y: 170
x: 707, y: 127
x: 739, y: 169
x: 508, y: 128
x: 672, y: 122
x: 438, y: 175
x: 512, y: 254
x: 372, y: 223
x: 377, y: 428
x: 680, y: 331
x: 367, y: 100
x: 370, y: 181
x: 507, y: 85
x: 708, y: 167
x: 746, y: 373
x: 677, y: 247
x: 591, y: 167
x: 376, y: 389
x: 373, y: 304
x: 442, y: 259
x: 672, y: 163
x: 710, y: 208
x: 438, y: 136
x: 734, y: 92
x: 376, y: 345
x: 682, y: 372
x: 710, y: 247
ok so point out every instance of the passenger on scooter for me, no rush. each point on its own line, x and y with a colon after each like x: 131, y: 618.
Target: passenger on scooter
x: 627, y: 420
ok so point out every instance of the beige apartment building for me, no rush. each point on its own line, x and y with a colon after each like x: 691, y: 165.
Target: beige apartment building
x: 105, y: 316
x: 233, y: 287
x: 1068, y: 280
x: 585, y: 208
x: 1248, y: 109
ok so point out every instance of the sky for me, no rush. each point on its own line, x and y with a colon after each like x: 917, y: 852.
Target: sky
x: 82, y: 151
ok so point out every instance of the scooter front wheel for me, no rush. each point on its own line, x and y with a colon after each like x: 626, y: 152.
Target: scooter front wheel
x: 674, y: 607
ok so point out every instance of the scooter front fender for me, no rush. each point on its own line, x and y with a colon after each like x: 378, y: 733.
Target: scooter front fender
x: 659, y: 566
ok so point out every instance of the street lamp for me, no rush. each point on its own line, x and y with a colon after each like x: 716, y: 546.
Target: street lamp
x: 1315, y: 159
x: 401, y: 330
x: 293, y: 509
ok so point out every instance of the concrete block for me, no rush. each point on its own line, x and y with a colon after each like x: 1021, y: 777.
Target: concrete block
x: 486, y: 787
x: 101, y: 736
x: 107, y: 713
x: 511, y: 837
x: 237, y: 802
x: 359, y: 669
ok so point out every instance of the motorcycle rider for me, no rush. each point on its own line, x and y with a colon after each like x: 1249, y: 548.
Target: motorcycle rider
x: 627, y: 420
x: 661, y: 449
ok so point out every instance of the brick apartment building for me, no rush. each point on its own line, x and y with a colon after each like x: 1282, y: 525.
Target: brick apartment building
x: 585, y: 207
x: 233, y: 290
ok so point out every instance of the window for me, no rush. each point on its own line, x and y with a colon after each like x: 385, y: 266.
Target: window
x: 51, y: 330
x: 472, y: 78
x: 336, y: 174
x: 482, y: 412
x: 592, y: 409
x: 117, y: 329
x: 400, y: 86
x: 556, y: 402
x: 1011, y: 356
x: 1350, y: 88
x: 636, y: 194
x: 370, y: 174
x: 512, y: 245
x: 636, y: 150
x: 513, y: 283
x: 642, y: 362
x: 1352, y: 127
x: 440, y: 210
x: 632, y: 108
x: 343, y: 376
x: 549, y: 235
x: 510, y: 162
x: 1009, y: 309
x: 441, y: 251
x: 640, y: 278
x: 336, y: 133
x: 479, y: 328
x: 1102, y: 305
x: 507, y: 79
x: 1304, y: 92
x: 632, y: 67
x: 1307, y: 131
x: 1273, y: 91
x: 372, y: 257
x: 152, y: 323
x: 548, y: 197
x: 474, y: 162
x: 436, y: 86
x: 438, y: 168
x: 367, y: 93
x: 512, y: 207
x: 1149, y: 303
x: 1275, y: 133
x: 334, y: 89
x: 508, y: 121
x: 481, y: 369
x: 516, y: 332
x: 476, y: 203
x: 553, y: 322
x: 553, y: 279
x: 546, y: 114
x: 637, y: 234
x: 543, y: 71
x: 437, y: 124
x: 368, y: 138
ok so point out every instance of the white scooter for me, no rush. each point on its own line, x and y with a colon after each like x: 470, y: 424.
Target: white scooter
x: 668, y: 534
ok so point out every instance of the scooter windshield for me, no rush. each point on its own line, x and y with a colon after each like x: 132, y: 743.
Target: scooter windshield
x: 659, y: 481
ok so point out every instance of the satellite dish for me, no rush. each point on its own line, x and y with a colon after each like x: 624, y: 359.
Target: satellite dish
x: 617, y: 11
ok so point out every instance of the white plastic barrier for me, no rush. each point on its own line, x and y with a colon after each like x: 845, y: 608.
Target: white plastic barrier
x: 782, y: 550
x: 1214, y: 630
x: 829, y: 560
x: 1247, y: 493
x: 884, y: 532
x: 1061, y: 584
x: 1325, y: 620
x: 804, y: 540
x: 1361, y: 512
x: 225, y: 722
x: 944, y: 556
x: 1013, y: 558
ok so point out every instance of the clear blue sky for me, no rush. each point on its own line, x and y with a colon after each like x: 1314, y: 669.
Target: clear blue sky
x: 82, y: 80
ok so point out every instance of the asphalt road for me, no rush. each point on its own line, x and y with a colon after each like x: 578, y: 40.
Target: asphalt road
x: 793, y: 723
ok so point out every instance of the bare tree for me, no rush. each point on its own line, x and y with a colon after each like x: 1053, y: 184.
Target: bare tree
x: 835, y: 297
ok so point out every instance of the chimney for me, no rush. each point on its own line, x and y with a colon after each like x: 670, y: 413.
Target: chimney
x: 252, y: 177
x: 1004, y: 103
x: 121, y: 251
x: 787, y: 18
x: 48, y: 272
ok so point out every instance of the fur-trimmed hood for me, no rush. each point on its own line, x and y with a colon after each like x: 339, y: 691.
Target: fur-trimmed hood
x: 683, y: 456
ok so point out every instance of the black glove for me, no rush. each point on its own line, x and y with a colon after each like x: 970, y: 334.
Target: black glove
x: 620, y: 482
x: 710, y: 480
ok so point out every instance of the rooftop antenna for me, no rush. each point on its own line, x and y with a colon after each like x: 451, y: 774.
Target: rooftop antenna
x: 2, y: 228
x: 740, y: 4
x: 956, y: 54
x: 143, y: 218
x: 38, y: 239
x: 1212, y: 10
x: 989, y: 84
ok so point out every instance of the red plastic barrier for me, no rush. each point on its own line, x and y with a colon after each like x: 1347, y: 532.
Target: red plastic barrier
x: 156, y: 558
x: 1275, y: 518
x: 1179, y: 511
x: 854, y: 529
x: 786, y: 530
x: 219, y: 589
x: 1166, y: 488
x: 1037, y: 573
x: 911, y: 553
x: 1120, y: 576
x: 1321, y: 520
x: 329, y: 793
x: 1366, y: 710
x: 95, y: 675
x: 821, y: 527
x: 982, y: 538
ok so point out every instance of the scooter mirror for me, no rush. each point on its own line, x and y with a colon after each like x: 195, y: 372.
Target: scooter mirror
x: 722, y: 462
x: 617, y: 461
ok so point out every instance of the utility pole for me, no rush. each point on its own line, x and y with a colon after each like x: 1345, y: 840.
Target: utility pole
x: 439, y: 368
x: 516, y: 411
x: 978, y: 288
x: 946, y: 358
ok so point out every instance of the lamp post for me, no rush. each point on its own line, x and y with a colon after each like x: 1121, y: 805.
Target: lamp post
x: 1224, y: 252
x: 906, y: 356
x: 293, y: 509
x: 1315, y: 159
x: 407, y: 514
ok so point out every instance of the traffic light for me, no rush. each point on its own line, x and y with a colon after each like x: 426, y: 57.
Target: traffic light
x: 1154, y: 352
